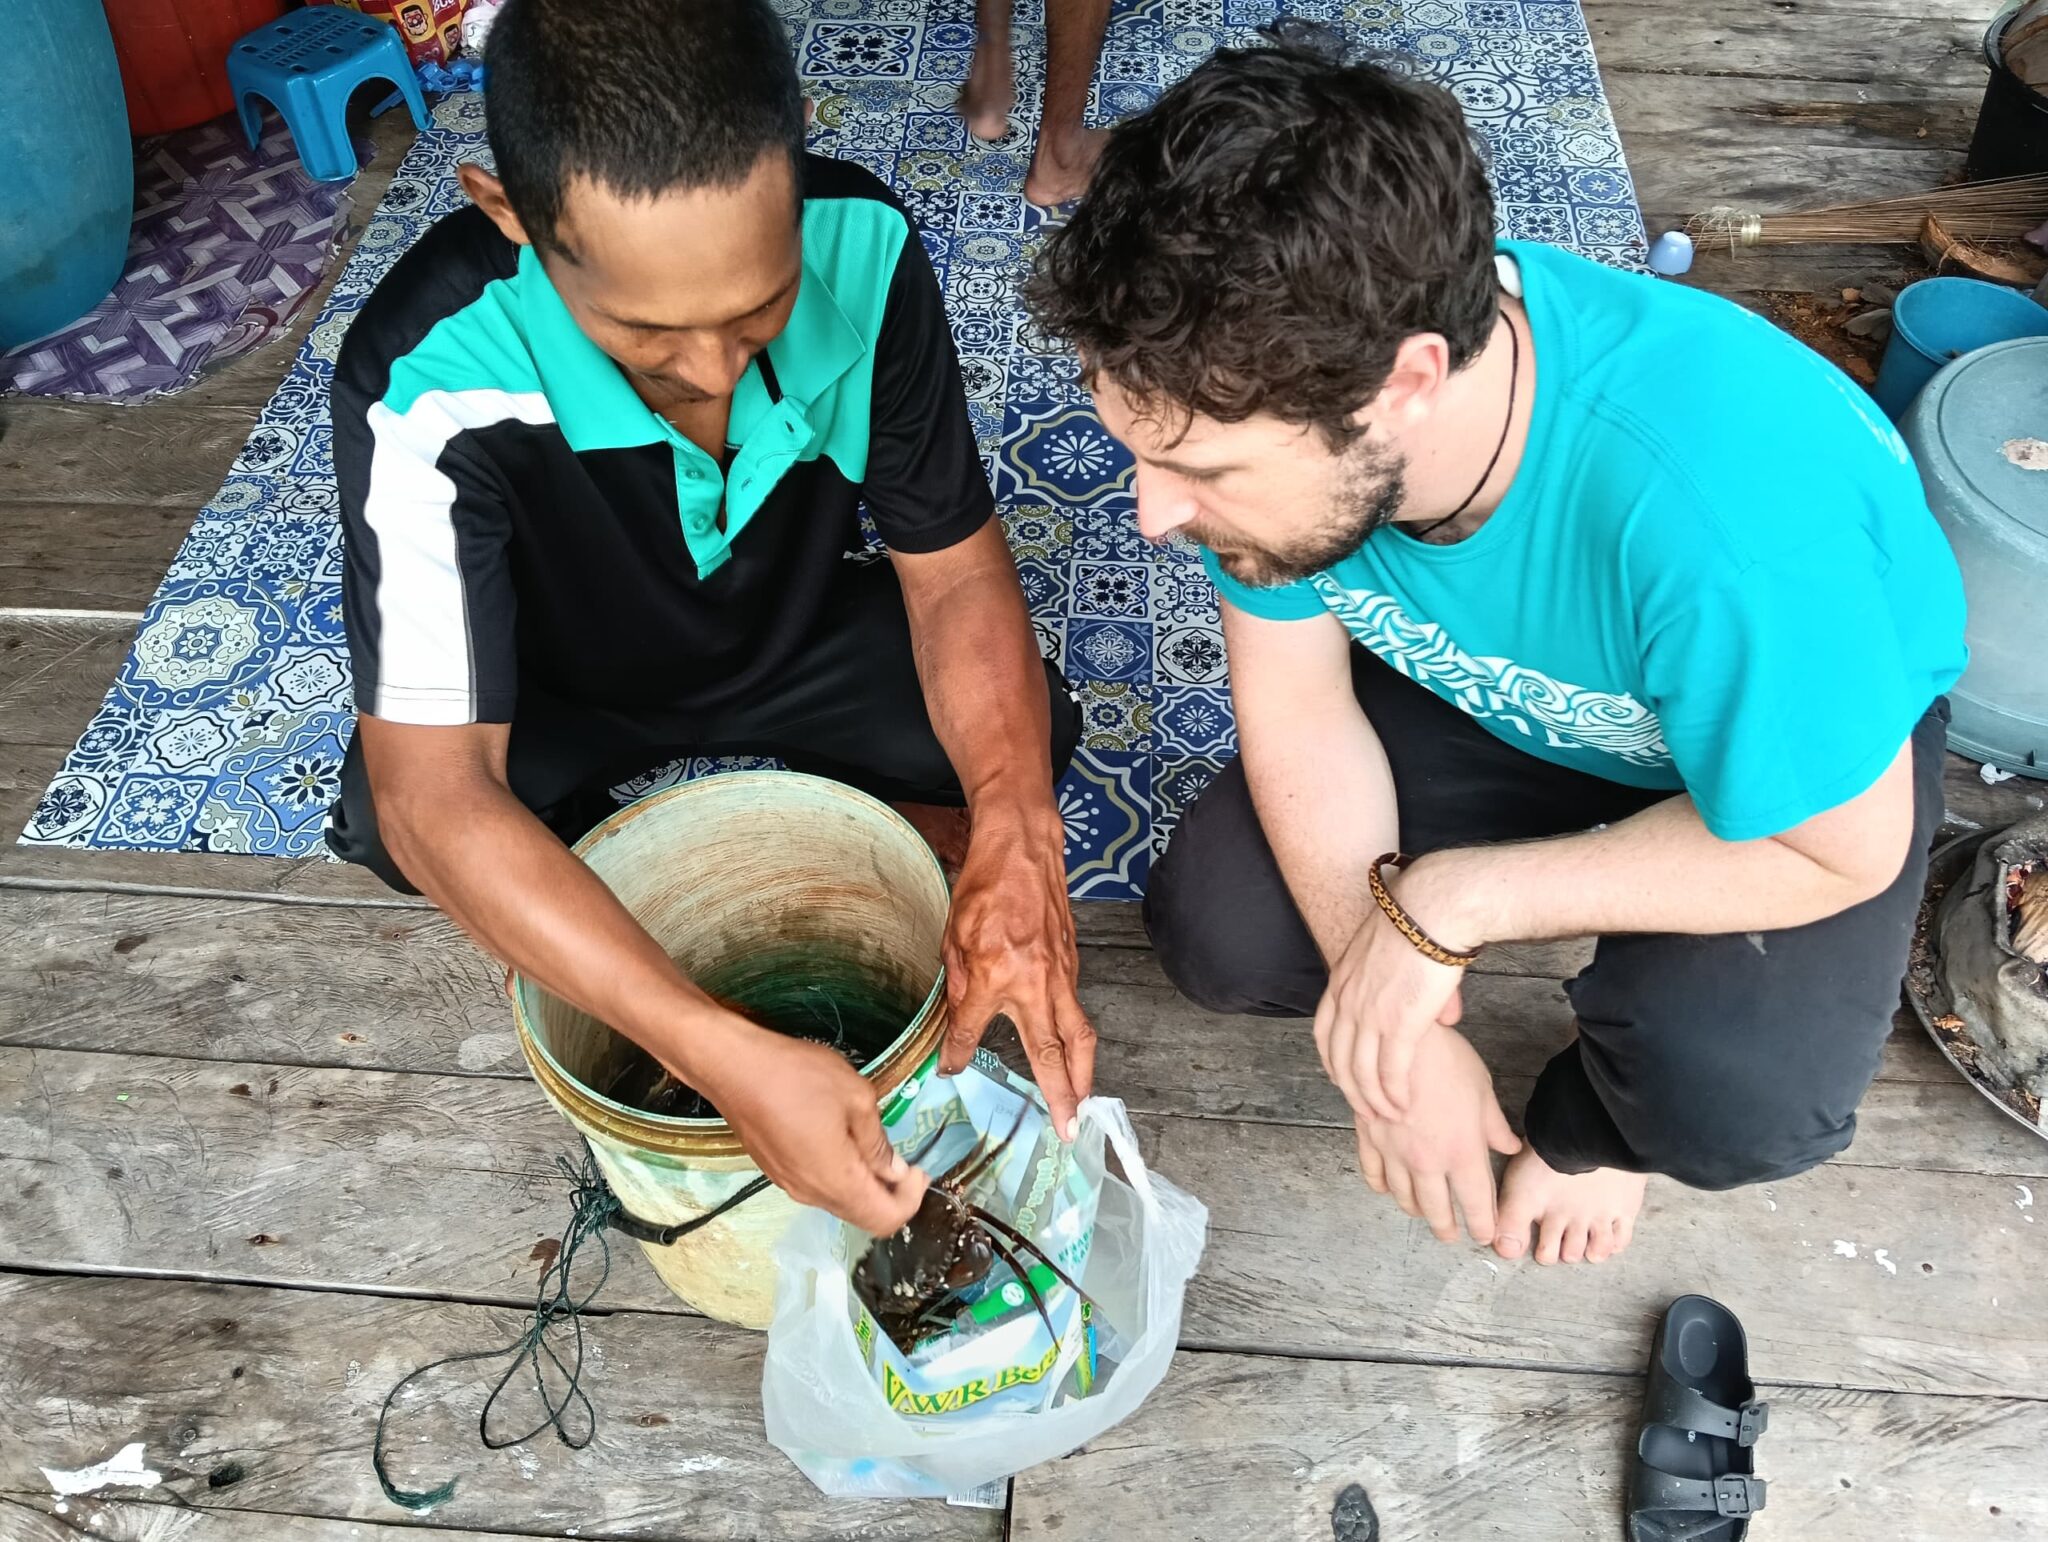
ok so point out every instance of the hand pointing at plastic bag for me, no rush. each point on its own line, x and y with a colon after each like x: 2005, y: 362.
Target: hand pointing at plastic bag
x: 1010, y: 950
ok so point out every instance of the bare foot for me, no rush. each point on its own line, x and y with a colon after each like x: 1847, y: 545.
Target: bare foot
x: 990, y: 92
x: 944, y: 829
x: 1061, y: 168
x: 1578, y: 1216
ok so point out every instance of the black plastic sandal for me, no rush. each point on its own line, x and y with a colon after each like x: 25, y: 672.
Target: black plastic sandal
x: 1695, y: 1472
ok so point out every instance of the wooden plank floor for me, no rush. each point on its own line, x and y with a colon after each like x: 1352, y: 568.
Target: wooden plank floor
x: 265, y: 1142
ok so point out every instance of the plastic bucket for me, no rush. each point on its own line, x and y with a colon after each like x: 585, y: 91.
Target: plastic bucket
x: 756, y: 883
x: 1941, y: 319
x: 2012, y: 124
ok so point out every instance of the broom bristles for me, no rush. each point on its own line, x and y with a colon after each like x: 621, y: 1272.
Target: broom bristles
x: 1976, y: 211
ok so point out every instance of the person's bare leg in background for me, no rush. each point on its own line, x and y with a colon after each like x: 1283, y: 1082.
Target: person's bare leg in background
x: 1066, y: 151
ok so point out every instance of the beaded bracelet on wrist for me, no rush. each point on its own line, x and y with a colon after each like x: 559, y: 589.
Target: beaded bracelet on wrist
x: 1404, y: 923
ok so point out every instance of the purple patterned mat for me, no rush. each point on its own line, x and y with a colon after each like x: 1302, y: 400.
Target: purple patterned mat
x: 228, y: 244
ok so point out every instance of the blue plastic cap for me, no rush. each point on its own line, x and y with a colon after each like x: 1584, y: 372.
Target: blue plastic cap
x: 1671, y: 254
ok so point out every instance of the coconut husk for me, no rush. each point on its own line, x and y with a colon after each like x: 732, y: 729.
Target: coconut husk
x: 1951, y: 253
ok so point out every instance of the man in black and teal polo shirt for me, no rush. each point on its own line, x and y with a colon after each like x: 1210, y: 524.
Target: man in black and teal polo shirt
x: 601, y: 444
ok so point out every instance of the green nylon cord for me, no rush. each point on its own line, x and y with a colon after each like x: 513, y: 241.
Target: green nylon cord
x: 574, y: 1421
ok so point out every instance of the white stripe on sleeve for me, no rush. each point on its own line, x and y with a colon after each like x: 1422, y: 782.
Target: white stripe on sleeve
x: 425, y: 672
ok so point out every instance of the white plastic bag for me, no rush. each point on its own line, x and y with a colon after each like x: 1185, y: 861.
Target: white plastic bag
x: 824, y: 1410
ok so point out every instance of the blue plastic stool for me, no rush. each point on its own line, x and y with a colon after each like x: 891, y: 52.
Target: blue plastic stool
x: 307, y: 63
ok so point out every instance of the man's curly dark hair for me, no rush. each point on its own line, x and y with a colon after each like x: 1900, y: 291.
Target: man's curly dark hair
x: 1264, y: 237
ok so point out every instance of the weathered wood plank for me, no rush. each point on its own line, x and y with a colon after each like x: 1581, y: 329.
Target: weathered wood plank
x: 86, y: 556
x: 1816, y: 270
x: 288, y: 1384
x: 52, y: 674
x: 1774, y: 145
x: 1303, y: 1258
x: 170, y: 452
x: 1936, y: 48
x: 1235, y: 1449
x: 389, y: 989
x: 1731, y: 117
x: 247, y: 980
x: 346, y: 1179
x: 39, y: 1518
x: 1937, y: 13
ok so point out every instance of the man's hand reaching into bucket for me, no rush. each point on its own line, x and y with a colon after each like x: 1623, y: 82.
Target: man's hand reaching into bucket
x: 809, y: 1121
x: 1010, y: 950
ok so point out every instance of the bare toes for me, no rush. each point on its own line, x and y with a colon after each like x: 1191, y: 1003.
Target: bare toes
x: 1574, y: 1249
x: 1549, y: 1240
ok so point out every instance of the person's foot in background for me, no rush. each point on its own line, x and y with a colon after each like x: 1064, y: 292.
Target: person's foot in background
x: 1066, y: 153
x: 991, y: 89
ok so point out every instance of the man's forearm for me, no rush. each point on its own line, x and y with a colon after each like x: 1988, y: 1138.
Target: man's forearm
x: 1325, y: 799
x: 510, y: 884
x: 1318, y: 775
x: 984, y: 683
x: 1660, y: 871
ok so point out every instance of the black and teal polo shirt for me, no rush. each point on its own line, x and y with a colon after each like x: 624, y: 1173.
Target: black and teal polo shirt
x: 516, y: 519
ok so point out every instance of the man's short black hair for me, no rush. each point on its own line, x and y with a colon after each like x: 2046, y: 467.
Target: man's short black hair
x: 1266, y: 235
x: 641, y: 96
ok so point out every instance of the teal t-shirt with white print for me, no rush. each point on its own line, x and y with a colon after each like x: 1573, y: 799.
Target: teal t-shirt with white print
x: 1715, y: 570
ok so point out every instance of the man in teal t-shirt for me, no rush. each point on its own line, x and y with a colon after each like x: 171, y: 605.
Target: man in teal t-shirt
x: 1612, y: 609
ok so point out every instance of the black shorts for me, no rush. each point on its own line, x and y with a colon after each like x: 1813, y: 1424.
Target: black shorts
x: 849, y: 706
x: 1718, y: 1060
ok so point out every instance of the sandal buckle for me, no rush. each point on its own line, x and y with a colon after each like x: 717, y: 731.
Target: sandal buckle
x: 1754, y: 1418
x: 1737, y: 1497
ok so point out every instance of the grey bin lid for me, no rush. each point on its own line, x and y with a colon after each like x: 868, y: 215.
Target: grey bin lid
x: 1971, y: 411
x: 1995, y: 514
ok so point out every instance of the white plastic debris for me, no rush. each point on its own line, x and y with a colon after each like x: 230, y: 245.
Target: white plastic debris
x: 1992, y: 776
x: 123, y: 1469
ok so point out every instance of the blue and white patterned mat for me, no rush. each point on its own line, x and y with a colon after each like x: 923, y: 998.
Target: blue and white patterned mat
x: 225, y: 728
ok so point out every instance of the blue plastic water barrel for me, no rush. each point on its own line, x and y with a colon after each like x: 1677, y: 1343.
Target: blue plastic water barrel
x: 1979, y: 434
x: 67, y: 173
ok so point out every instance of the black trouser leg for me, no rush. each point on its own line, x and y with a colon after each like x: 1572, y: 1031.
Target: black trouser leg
x: 1221, y: 919
x: 1735, y: 1059
x: 849, y: 706
x: 1717, y: 1060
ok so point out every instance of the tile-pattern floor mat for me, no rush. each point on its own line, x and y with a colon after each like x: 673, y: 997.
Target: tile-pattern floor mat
x: 225, y: 728
x: 227, y: 246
